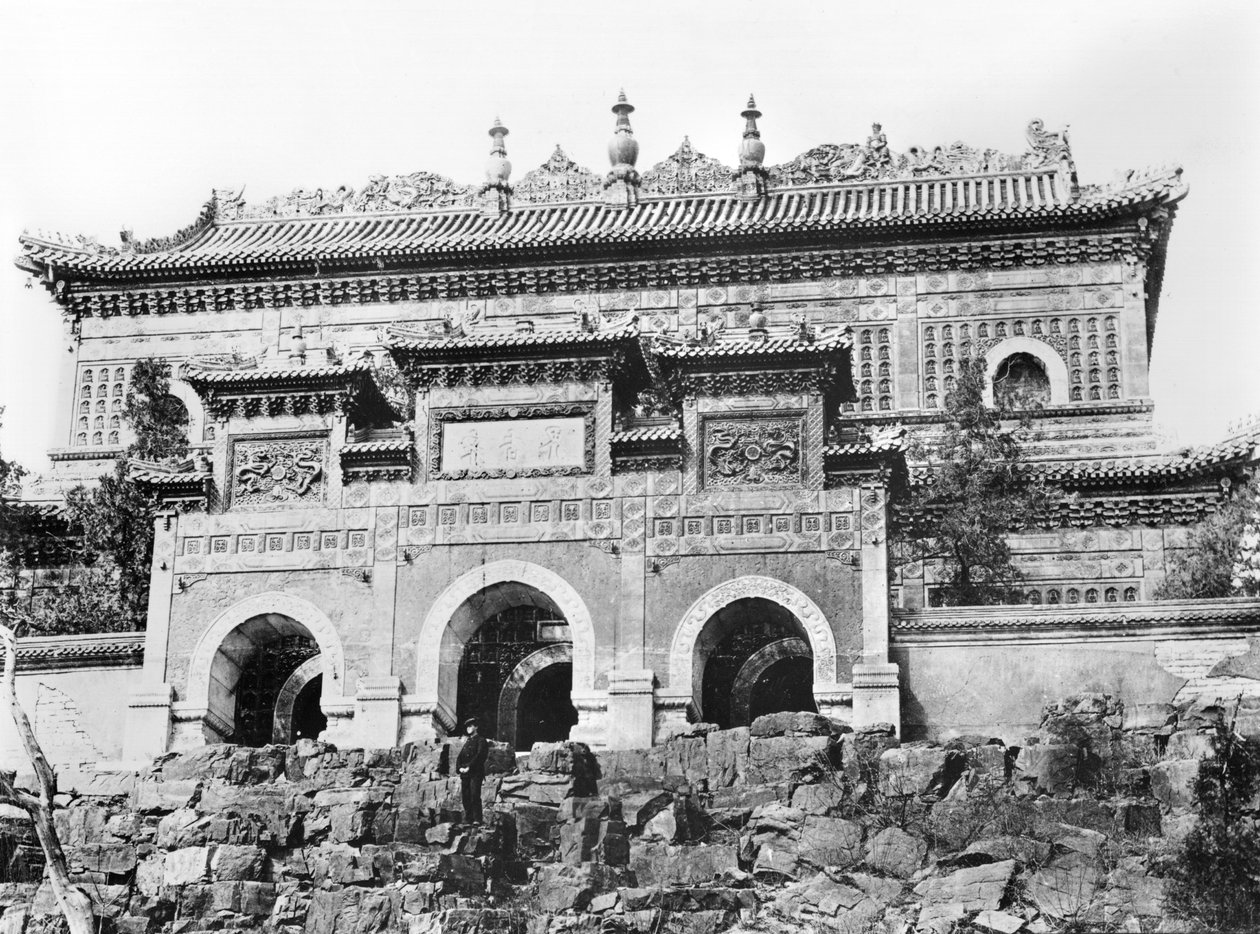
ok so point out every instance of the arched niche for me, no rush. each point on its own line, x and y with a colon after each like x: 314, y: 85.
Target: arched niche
x: 688, y: 650
x: 510, y: 696
x: 220, y: 652
x: 282, y: 719
x: 472, y: 598
x: 1047, y: 356
x: 196, y: 412
x: 757, y: 665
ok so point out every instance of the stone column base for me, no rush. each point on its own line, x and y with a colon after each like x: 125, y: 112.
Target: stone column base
x: 425, y: 721
x: 673, y: 715
x: 377, y: 712
x: 147, y: 733
x: 591, y: 728
x: 835, y: 701
x: 876, y: 695
x: 630, y: 710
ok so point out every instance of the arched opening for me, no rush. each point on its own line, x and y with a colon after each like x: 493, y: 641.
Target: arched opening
x: 515, y: 670
x: 738, y: 656
x: 545, y: 711
x: 308, y: 720
x: 252, y: 668
x: 1020, y: 381
x: 297, y: 712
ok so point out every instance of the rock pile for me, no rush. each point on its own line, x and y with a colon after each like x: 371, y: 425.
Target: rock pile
x: 795, y: 822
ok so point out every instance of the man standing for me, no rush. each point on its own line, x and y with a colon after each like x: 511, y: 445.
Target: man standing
x: 471, y: 765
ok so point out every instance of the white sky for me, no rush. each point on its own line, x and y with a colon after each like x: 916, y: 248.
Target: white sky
x: 128, y: 113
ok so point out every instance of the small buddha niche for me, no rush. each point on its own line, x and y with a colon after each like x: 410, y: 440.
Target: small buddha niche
x: 1021, y: 381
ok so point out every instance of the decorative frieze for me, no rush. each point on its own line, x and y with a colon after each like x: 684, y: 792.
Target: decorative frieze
x: 759, y: 452
x: 278, y: 472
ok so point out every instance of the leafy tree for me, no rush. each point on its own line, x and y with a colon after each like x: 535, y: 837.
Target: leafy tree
x: 1215, y: 878
x: 115, y: 517
x: 979, y: 490
x: 1215, y: 560
x: 11, y: 473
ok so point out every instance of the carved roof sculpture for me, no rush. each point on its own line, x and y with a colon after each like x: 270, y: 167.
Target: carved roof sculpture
x: 861, y: 189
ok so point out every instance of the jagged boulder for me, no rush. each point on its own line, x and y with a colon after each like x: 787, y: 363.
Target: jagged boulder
x: 896, y: 853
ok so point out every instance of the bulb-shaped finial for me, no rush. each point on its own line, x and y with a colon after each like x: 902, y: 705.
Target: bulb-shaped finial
x: 752, y: 151
x: 623, y: 149
x: 498, y: 168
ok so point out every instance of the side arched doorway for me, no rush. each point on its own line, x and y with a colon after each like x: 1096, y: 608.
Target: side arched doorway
x: 262, y: 670
x: 535, y: 704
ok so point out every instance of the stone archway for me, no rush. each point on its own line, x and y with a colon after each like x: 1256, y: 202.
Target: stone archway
x: 757, y: 665
x: 687, y: 653
x: 510, y: 696
x: 455, y: 616
x: 215, y: 663
x: 1055, y: 369
x: 282, y: 719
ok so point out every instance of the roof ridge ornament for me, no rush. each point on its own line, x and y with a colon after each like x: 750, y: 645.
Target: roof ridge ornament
x: 496, y: 191
x: 751, y: 181
x: 621, y: 185
x: 687, y: 171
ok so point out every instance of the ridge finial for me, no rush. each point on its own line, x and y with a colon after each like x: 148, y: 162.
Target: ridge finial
x: 496, y: 190
x: 751, y: 177
x: 621, y: 186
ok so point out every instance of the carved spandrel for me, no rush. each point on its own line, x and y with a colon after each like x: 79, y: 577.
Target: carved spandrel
x: 278, y: 472
x: 756, y: 452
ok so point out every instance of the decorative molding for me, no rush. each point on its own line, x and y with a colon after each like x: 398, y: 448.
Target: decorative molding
x: 185, y: 581
x: 97, y: 650
x: 687, y: 171
x: 409, y: 553
x: 1207, y: 616
x: 417, y: 191
x: 850, y: 557
x: 362, y: 575
x: 556, y: 180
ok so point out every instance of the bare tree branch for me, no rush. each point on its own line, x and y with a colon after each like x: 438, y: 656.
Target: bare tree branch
x: 73, y: 901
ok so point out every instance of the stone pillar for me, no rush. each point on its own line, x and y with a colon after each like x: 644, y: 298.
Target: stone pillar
x: 876, y: 697
x: 630, y: 709
x: 147, y: 733
x: 380, y: 654
x: 377, y: 712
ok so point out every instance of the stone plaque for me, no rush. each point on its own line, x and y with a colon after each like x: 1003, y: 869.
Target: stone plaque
x: 518, y: 441
x: 759, y: 452
x: 278, y: 472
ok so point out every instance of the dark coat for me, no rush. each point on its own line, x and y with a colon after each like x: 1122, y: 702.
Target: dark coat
x: 473, y: 755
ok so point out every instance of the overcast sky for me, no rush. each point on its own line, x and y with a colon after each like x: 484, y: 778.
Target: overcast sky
x: 127, y: 114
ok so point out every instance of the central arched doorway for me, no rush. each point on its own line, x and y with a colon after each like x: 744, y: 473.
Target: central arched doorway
x: 753, y: 658
x: 516, y: 665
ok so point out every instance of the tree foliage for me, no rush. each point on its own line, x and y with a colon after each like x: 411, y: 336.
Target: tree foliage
x: 1215, y: 879
x: 1216, y: 561
x: 979, y: 491
x: 11, y: 473
x: 115, y: 517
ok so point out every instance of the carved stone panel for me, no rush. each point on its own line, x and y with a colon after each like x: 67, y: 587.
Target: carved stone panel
x: 752, y: 452
x: 512, y: 441
x: 278, y: 472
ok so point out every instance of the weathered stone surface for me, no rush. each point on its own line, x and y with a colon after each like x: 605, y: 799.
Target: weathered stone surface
x: 181, y: 829
x: 1049, y: 768
x: 1172, y: 782
x: 825, y: 798
x: 160, y: 797
x: 237, y: 863
x: 1066, y: 888
x: 1189, y: 744
x: 909, y: 770
x: 1141, y: 818
x: 830, y: 841
x: 1000, y: 921
x: 662, y: 864
x: 571, y: 888
x: 727, y: 757
x: 236, y: 765
x: 79, y: 825
x: 791, y: 724
x: 786, y: 758
x: 1024, y: 850
x: 1148, y: 717
x: 186, y: 866
x: 688, y: 758
x: 895, y: 852
x: 1130, y: 890
x: 975, y: 889
x: 107, y: 858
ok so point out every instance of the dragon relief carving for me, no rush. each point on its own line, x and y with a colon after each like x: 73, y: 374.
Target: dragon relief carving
x: 276, y: 472
x: 752, y: 452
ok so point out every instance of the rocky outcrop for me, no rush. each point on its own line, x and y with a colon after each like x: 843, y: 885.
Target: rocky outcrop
x: 794, y: 823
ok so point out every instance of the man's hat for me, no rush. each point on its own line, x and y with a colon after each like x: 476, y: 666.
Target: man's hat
x: 472, y: 721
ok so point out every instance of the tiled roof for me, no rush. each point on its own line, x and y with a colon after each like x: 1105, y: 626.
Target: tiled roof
x: 215, y: 376
x: 1019, y: 199
x: 769, y: 346
x: 402, y: 337
x: 646, y: 433
x: 384, y: 446
x: 1242, y: 448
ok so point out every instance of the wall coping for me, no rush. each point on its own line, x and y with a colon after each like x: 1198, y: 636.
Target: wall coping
x: 83, y: 650
x: 1164, y: 617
